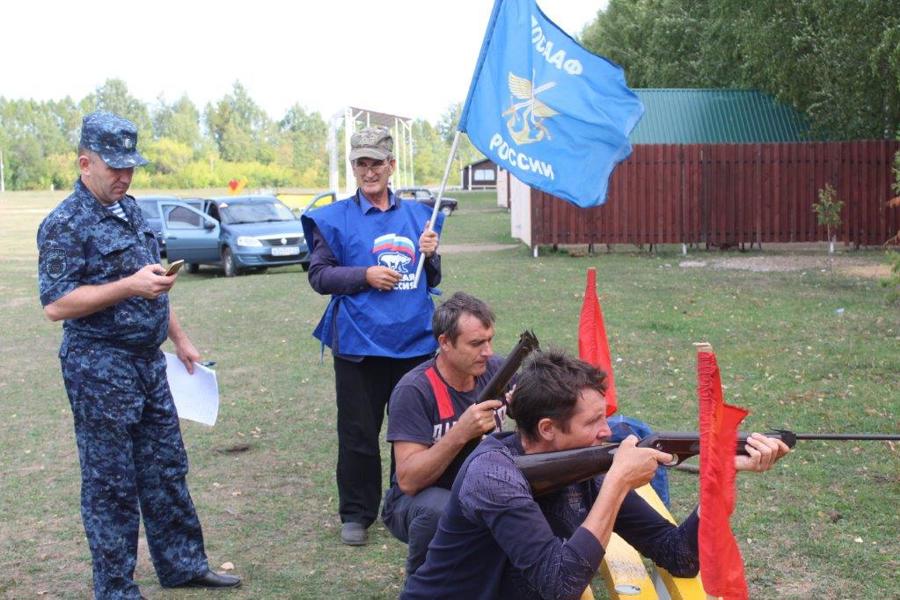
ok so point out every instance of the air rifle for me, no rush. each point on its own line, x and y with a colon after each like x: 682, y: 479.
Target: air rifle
x: 549, y: 471
x: 496, y: 387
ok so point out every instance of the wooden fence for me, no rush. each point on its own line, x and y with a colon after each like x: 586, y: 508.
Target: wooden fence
x: 724, y: 194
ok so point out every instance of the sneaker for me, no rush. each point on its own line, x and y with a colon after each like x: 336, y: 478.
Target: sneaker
x: 354, y: 534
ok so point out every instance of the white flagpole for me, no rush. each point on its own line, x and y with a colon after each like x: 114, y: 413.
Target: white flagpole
x: 437, y: 202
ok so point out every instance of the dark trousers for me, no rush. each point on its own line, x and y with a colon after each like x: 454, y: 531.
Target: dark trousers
x: 133, y: 464
x: 414, y: 519
x: 363, y: 390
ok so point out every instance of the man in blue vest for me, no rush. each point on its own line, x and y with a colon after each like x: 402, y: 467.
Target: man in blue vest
x: 433, y: 420
x: 378, y: 323
x: 99, y: 272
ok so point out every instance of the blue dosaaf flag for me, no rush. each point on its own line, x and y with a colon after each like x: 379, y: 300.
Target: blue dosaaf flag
x: 548, y: 110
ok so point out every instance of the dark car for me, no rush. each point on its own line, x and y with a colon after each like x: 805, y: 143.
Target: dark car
x: 239, y: 233
x: 423, y: 195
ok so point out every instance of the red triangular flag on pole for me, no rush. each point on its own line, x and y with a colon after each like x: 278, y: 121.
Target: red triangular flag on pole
x: 721, y: 565
x: 592, y: 345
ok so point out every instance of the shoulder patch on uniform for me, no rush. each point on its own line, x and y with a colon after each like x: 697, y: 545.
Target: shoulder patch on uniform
x: 55, y: 261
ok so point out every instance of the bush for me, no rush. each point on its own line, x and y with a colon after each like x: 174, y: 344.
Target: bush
x: 828, y: 212
x: 168, y: 156
x: 214, y: 173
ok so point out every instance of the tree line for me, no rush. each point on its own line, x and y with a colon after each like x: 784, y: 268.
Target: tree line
x: 837, y: 61
x: 232, y: 138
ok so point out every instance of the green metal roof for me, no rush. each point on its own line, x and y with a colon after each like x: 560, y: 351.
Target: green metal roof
x: 695, y: 116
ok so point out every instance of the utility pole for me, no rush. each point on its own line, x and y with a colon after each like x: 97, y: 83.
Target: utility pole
x: 332, y: 145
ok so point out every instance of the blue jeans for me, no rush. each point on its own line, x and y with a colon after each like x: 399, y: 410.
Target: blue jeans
x: 414, y: 519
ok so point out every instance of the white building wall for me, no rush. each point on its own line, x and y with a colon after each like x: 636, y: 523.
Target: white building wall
x: 501, y: 188
x: 519, y: 210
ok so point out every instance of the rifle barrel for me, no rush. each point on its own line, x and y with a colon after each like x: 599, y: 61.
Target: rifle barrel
x: 848, y: 436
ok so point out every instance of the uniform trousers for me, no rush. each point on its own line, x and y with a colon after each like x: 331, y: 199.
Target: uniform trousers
x: 363, y: 389
x: 133, y: 464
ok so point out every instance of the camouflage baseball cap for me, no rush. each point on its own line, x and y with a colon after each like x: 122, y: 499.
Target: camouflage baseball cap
x: 372, y: 142
x: 113, y: 138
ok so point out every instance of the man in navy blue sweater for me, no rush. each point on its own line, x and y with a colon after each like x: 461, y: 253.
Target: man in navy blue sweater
x: 496, y: 540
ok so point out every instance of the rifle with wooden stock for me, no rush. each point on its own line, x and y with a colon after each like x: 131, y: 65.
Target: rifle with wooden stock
x: 550, y: 471
x: 496, y: 387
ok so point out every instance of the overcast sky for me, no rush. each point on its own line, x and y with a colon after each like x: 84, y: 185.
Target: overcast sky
x: 407, y: 57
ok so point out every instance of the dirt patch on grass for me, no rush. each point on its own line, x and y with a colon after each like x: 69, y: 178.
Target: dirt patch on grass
x: 868, y: 271
x: 845, y: 265
x: 14, y: 302
x: 461, y: 248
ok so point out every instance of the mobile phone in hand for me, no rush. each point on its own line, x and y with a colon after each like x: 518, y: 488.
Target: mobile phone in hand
x: 174, y: 267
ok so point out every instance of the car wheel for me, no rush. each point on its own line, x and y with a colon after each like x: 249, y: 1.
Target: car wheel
x: 447, y: 211
x: 304, y: 266
x: 228, y: 264
x: 193, y: 268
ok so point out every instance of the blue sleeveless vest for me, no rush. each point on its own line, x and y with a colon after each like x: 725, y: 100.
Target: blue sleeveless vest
x: 397, y: 323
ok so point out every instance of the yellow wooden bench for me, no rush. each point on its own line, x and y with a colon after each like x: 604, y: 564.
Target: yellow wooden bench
x: 627, y: 578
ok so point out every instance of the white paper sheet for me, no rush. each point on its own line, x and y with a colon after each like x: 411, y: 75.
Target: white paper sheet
x: 196, y: 396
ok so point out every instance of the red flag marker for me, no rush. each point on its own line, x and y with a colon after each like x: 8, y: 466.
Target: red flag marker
x: 721, y: 564
x: 593, y: 347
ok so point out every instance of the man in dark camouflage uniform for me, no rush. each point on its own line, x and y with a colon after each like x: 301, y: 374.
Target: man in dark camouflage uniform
x: 99, y: 271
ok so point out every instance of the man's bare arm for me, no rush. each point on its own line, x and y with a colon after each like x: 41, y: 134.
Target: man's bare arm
x: 149, y: 282
x: 419, y: 466
x: 184, y: 348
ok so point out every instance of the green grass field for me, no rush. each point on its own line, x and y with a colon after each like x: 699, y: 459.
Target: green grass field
x: 823, y: 524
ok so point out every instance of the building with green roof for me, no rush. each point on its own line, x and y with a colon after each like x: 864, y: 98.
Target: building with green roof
x: 716, y: 116
x: 721, y: 168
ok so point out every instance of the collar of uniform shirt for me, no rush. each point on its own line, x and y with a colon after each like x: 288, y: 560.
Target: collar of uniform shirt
x: 368, y: 207
x: 97, y: 210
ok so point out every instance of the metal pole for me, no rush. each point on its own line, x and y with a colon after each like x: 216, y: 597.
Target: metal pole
x: 409, y: 152
x: 334, y: 178
x: 400, y: 179
x: 349, y: 128
x: 437, y: 201
x: 869, y: 437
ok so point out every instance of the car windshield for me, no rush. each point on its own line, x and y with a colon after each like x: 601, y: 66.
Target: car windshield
x: 254, y: 212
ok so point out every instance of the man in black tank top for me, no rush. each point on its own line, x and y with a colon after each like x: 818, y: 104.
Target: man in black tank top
x: 433, y: 418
